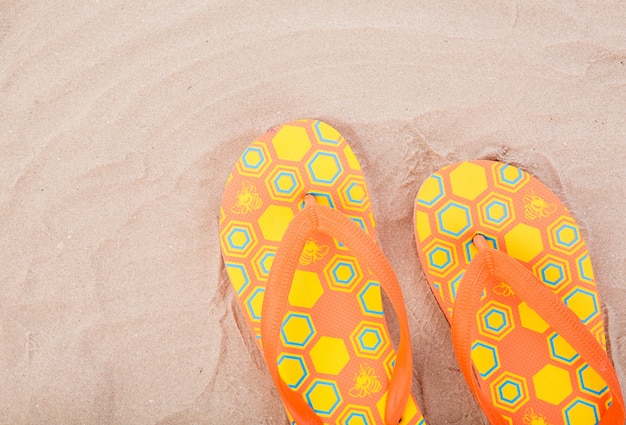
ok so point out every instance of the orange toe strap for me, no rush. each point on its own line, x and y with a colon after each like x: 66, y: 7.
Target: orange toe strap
x: 319, y: 218
x: 493, y: 266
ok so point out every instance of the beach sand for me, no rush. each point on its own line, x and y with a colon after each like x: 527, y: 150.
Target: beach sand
x: 119, y: 124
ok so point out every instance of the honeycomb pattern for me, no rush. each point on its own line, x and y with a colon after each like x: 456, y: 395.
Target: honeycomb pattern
x: 329, y: 355
x: 564, y: 235
x: 323, y: 396
x: 582, y: 302
x: 254, y: 303
x: 370, y: 300
x: 523, y: 242
x: 334, y: 346
x: 581, y: 412
x: 431, y: 191
x: 356, y: 415
x: 561, y: 350
x: 530, y: 319
x: 369, y: 340
x: 292, y: 369
x: 495, y: 320
x: 496, y: 212
x: 305, y: 290
x: 343, y: 273
x: 353, y: 195
x: 552, y: 384
x: 238, y: 239
x: 454, y: 219
x: 324, y: 168
x: 508, y: 177
x: 553, y: 271
x: 284, y: 146
x: 297, y: 330
x: 274, y: 221
x: 585, y: 272
x: 485, y: 358
x: 441, y: 257
x: 509, y: 392
x: 239, y: 276
x: 254, y: 160
x: 590, y: 381
x: 454, y: 286
x: 284, y: 183
x: 468, y: 180
x: 519, y: 216
x: 262, y: 262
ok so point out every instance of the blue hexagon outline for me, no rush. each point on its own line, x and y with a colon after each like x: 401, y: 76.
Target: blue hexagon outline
x: 495, y: 356
x: 247, y: 151
x: 545, y: 280
x: 438, y: 197
x: 581, y: 401
x: 581, y: 269
x: 335, y: 390
x: 520, y: 175
x: 302, y: 364
x: 294, y: 181
x: 506, y: 211
x: 337, y: 162
x: 340, y: 281
x: 551, y: 339
x: 516, y: 385
x: 230, y: 235
x: 264, y: 259
x: 362, y: 334
x: 356, y: 414
x: 367, y: 287
x: 592, y: 295
x: 355, y: 201
x: 252, y: 296
x: 467, y: 215
x: 316, y: 126
x: 307, y: 339
x: 245, y: 273
x: 505, y: 322
x: 582, y: 383
x: 454, y: 283
x: 439, y: 248
x: 557, y: 234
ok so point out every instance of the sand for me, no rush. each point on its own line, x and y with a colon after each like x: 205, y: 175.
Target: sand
x: 119, y: 124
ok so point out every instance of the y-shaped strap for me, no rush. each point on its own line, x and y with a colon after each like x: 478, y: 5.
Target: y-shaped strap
x: 319, y: 218
x: 495, y: 266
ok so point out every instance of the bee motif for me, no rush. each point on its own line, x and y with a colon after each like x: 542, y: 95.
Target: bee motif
x: 366, y: 382
x: 532, y: 418
x: 535, y: 206
x: 503, y: 289
x: 312, y: 252
x: 247, y: 200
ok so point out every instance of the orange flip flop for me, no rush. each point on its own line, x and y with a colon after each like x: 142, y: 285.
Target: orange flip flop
x: 510, y: 270
x: 298, y: 241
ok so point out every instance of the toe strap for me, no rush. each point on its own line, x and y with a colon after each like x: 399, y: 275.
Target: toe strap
x: 319, y: 218
x: 490, y: 265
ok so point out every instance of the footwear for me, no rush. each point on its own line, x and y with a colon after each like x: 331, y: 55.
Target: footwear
x: 510, y: 270
x: 298, y: 241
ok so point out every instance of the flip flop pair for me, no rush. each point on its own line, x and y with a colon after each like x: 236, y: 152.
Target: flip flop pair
x: 299, y: 244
